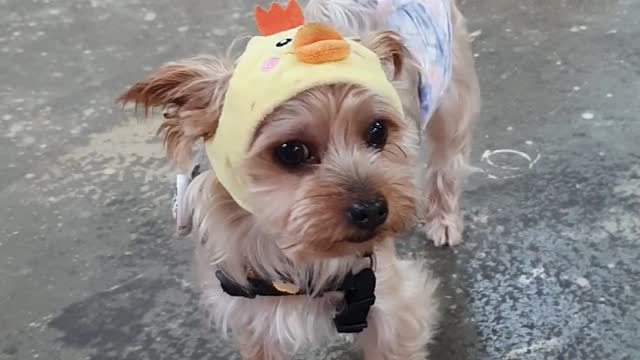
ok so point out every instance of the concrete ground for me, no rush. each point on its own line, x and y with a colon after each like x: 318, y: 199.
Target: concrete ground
x: 89, y: 268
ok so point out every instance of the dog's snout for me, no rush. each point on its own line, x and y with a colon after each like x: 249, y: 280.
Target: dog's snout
x: 369, y: 214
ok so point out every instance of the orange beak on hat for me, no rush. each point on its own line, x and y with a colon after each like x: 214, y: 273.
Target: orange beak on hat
x: 319, y: 43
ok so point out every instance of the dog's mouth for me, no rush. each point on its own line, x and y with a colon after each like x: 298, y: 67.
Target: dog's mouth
x: 359, y: 239
x: 347, y: 246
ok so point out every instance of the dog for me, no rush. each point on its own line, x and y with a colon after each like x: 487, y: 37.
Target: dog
x: 316, y: 136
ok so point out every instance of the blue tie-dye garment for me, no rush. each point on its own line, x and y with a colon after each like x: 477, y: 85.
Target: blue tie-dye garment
x: 425, y: 26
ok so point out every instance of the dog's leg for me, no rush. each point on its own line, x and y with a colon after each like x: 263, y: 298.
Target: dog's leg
x: 402, y: 321
x: 449, y: 135
x: 256, y: 349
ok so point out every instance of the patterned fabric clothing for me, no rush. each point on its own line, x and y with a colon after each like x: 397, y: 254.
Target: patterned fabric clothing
x: 425, y: 26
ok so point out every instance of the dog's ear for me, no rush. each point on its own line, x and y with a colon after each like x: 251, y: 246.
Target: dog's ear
x: 390, y: 49
x: 191, y: 92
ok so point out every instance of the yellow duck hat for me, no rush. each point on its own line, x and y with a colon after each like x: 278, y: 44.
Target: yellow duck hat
x: 289, y: 58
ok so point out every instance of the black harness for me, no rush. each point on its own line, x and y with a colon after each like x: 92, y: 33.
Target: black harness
x: 351, y: 313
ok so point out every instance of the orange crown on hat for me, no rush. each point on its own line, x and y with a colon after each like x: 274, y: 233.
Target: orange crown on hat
x: 277, y: 19
x: 313, y: 44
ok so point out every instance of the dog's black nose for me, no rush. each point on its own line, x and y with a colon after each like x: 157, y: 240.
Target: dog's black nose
x: 368, y: 215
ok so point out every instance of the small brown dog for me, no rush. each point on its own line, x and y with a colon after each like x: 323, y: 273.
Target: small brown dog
x: 314, y: 174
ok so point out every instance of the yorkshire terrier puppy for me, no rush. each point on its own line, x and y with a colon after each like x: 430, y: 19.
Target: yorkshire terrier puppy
x: 314, y: 137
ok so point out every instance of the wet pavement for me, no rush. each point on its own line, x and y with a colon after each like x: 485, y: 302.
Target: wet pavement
x: 89, y: 268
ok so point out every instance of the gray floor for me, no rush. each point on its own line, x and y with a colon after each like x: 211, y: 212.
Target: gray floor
x: 89, y: 268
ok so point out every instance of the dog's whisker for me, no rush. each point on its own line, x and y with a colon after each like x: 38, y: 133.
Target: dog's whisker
x: 403, y: 153
x: 317, y: 196
x: 290, y: 246
x: 401, y: 149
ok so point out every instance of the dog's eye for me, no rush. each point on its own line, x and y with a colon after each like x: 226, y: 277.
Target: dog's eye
x: 377, y: 134
x: 283, y: 42
x: 293, y: 154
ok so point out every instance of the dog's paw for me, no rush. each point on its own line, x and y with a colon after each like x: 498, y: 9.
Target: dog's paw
x: 444, y: 232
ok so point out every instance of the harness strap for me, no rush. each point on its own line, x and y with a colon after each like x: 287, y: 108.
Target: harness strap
x: 351, y: 314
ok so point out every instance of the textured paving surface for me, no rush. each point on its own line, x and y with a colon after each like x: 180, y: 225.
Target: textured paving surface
x: 89, y: 270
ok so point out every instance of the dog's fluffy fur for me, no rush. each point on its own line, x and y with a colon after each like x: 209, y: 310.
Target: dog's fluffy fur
x: 299, y: 229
